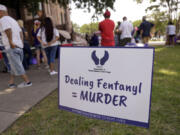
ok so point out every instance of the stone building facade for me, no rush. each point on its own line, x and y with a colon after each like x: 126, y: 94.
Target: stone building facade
x: 59, y: 15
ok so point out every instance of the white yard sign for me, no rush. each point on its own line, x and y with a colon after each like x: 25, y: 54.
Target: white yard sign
x: 112, y: 84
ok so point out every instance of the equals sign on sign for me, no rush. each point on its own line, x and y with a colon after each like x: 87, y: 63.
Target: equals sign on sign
x: 74, y: 94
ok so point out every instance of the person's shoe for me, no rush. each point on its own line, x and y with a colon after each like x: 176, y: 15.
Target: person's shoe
x: 53, y: 73
x: 24, y: 84
x: 12, y: 85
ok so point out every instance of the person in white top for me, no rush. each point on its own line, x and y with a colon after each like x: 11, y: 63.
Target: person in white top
x: 171, y: 33
x: 126, y: 29
x: 12, y: 39
x: 48, y: 37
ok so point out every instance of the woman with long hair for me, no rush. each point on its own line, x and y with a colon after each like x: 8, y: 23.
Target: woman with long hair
x: 48, y: 36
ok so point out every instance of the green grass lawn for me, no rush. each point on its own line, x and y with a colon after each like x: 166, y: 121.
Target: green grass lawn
x: 46, y: 119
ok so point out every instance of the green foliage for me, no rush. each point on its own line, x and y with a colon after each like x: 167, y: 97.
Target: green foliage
x: 160, y: 16
x: 76, y: 27
x: 160, y: 20
x: 98, y: 5
x: 138, y: 1
x: 170, y: 5
x: 31, y: 5
x: 137, y: 23
x: 89, y: 28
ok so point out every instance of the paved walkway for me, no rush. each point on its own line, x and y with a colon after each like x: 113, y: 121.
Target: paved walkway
x: 15, y: 102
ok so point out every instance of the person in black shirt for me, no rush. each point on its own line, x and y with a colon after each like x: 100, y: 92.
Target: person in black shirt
x: 145, y: 29
x: 94, y: 40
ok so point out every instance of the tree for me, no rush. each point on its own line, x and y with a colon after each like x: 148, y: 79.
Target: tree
x: 98, y: 5
x: 160, y: 20
x: 137, y: 23
x: 31, y: 5
x: 76, y: 27
x: 172, y: 9
x: 89, y: 28
x: 172, y: 6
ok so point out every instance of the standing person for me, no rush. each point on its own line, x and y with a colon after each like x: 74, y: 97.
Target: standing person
x: 94, y: 40
x: 87, y: 38
x: 27, y: 51
x: 12, y: 38
x: 126, y: 29
x: 38, y: 46
x: 48, y: 36
x: 145, y: 29
x: 106, y: 28
x: 137, y: 36
x: 117, y: 34
x: 171, y: 33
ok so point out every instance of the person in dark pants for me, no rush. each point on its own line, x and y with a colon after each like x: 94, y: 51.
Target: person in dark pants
x: 171, y: 33
x: 126, y: 29
x: 6, y: 61
x: 145, y: 30
x: 117, y: 34
x: 26, y: 49
x: 27, y: 55
x: 94, y: 40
